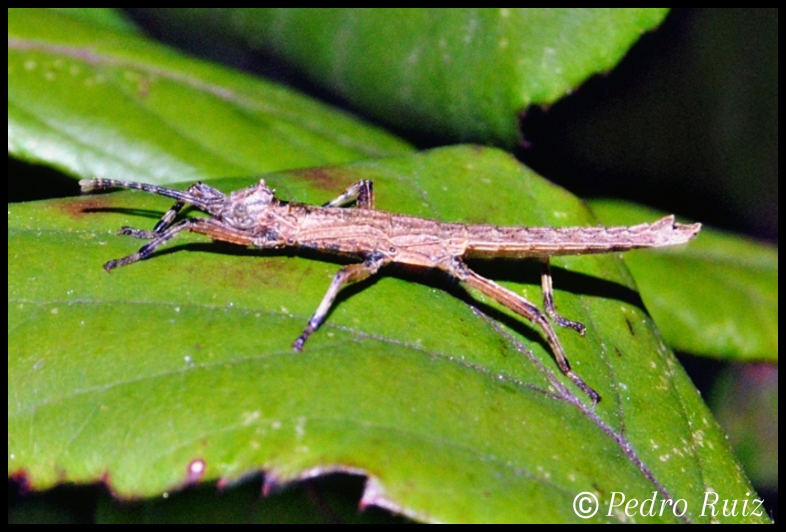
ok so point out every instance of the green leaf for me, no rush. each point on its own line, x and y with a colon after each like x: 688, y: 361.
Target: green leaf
x: 179, y: 369
x: 111, y: 18
x: 90, y: 99
x: 462, y: 73
x: 717, y: 297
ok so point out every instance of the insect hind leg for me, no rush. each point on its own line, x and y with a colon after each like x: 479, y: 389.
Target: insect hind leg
x: 548, y: 301
x: 526, y: 309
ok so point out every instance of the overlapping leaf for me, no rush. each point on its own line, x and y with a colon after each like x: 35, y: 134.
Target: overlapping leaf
x: 89, y: 99
x: 704, y: 317
x: 461, y: 73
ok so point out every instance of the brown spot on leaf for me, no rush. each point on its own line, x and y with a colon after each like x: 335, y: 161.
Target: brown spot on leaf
x: 78, y: 209
x: 330, y: 179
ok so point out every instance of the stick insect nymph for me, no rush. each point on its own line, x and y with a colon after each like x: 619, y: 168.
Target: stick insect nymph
x: 254, y: 217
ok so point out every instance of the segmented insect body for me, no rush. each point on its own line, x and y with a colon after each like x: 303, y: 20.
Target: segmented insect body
x: 253, y: 216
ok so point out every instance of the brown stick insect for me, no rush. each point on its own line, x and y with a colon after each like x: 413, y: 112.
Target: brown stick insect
x: 254, y: 217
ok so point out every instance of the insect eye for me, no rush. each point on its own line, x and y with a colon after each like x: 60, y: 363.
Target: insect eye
x: 240, y: 211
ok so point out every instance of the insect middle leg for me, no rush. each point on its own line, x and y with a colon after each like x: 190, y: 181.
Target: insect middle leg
x: 526, y: 309
x: 346, y: 275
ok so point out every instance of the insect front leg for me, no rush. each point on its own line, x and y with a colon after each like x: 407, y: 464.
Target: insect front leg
x: 548, y: 301
x: 197, y: 191
x: 524, y: 308
x: 362, y: 191
x: 346, y: 275
x: 156, y: 241
x: 206, y: 226
x: 159, y: 228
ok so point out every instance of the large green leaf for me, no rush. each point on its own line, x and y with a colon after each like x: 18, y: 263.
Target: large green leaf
x: 460, y: 73
x: 91, y: 99
x: 724, y: 273
x: 179, y: 368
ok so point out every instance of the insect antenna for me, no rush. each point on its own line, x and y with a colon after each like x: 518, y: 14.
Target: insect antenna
x: 199, y: 195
